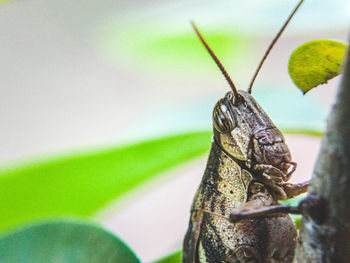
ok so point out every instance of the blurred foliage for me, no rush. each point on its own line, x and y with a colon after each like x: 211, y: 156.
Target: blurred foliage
x: 151, y: 47
x: 294, y: 201
x: 172, y: 258
x: 80, y: 185
x: 65, y: 242
x: 303, y: 131
x: 5, y: 1
x: 315, y: 62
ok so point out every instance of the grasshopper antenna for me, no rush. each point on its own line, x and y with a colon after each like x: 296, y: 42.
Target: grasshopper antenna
x: 217, y: 61
x: 272, y: 44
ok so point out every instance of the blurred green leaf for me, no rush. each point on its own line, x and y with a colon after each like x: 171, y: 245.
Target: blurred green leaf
x: 185, y: 50
x: 294, y: 201
x: 64, y: 242
x: 310, y: 132
x: 5, y: 1
x: 158, y: 48
x: 172, y: 258
x: 315, y: 62
x: 297, y: 221
x: 81, y: 185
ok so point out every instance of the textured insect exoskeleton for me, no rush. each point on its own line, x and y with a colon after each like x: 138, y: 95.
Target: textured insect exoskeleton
x: 247, y: 170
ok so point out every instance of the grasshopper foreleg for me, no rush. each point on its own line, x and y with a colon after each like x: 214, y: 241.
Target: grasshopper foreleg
x: 259, y: 197
x: 312, y: 206
x: 263, y: 211
x: 295, y: 189
x: 251, y: 207
x: 261, y: 205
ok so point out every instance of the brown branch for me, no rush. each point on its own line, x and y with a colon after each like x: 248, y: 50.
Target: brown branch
x: 325, y: 231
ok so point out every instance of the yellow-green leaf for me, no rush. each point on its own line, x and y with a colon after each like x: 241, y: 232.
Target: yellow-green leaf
x: 315, y: 62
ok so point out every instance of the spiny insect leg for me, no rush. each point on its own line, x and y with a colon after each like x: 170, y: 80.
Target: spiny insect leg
x: 276, y: 188
x: 295, y: 189
x: 264, y: 211
x: 269, y: 169
x: 262, y: 201
x: 312, y: 206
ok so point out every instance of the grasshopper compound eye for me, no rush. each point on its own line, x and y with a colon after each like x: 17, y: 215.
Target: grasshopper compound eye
x: 223, y: 119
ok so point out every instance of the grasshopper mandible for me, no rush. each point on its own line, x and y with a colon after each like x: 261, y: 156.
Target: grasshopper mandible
x: 246, y: 174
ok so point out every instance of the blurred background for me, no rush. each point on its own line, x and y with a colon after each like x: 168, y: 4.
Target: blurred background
x: 80, y: 76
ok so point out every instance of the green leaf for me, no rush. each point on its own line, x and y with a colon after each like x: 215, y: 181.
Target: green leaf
x: 172, y: 258
x: 315, y: 62
x: 64, y: 242
x: 80, y: 185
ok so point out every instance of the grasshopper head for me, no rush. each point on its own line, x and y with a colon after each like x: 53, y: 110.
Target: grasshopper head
x: 245, y: 132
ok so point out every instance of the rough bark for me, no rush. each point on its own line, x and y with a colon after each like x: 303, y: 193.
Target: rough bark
x: 325, y: 230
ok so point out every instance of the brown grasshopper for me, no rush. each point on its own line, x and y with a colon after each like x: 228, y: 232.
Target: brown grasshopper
x: 235, y: 215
